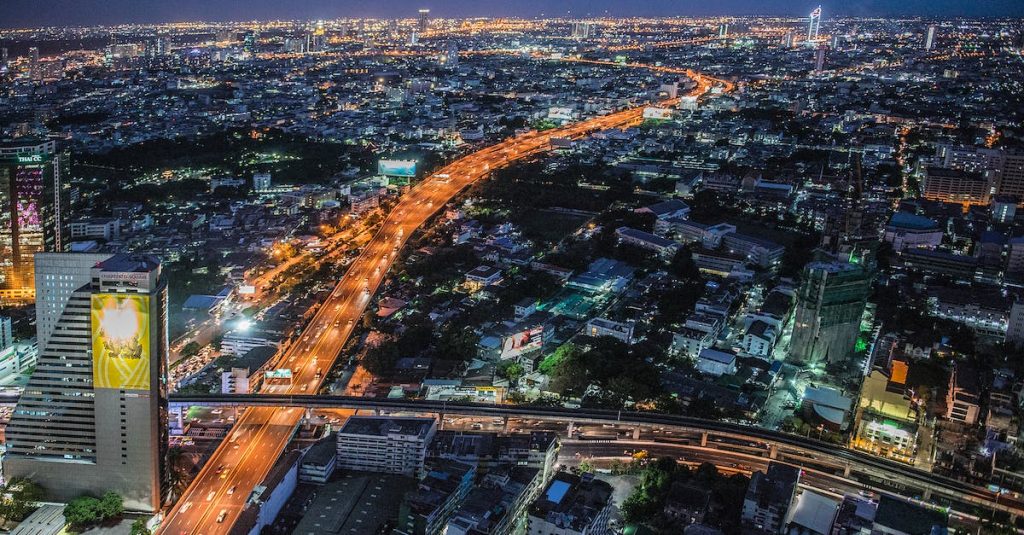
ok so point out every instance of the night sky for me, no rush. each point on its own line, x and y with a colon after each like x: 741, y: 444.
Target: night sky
x: 31, y: 13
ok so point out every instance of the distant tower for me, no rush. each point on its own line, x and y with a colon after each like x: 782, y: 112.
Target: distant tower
x: 929, y: 38
x: 819, y: 58
x: 723, y: 30
x: 815, y: 24
x: 787, y: 41
x: 451, y: 58
x: 33, y: 64
x: 424, y: 20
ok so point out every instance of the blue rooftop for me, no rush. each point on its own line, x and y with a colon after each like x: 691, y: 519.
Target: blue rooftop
x: 912, y: 221
x: 557, y: 491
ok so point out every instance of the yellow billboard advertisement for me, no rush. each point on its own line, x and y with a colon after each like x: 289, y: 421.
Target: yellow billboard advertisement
x: 120, y: 341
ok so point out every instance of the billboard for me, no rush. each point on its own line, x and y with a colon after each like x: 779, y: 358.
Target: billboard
x: 521, y: 342
x: 403, y: 168
x: 657, y: 114
x: 120, y: 341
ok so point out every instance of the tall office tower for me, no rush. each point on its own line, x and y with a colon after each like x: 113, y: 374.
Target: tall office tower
x: 787, y: 41
x: 929, y: 38
x: 819, y: 58
x: 93, y: 417
x: 34, y: 201
x: 830, y: 302
x: 250, y: 40
x: 723, y: 30
x: 4, y: 58
x: 34, y: 73
x: 815, y: 25
x: 424, y: 21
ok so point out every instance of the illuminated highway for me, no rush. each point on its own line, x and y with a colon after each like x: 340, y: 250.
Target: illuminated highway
x: 219, y: 493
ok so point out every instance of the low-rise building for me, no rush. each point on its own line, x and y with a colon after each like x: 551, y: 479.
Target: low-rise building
x: 716, y: 363
x: 769, y: 497
x: 383, y: 444
x: 606, y: 327
x: 570, y: 505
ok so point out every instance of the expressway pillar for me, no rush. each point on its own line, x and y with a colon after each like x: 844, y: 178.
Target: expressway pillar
x: 773, y: 452
x: 440, y: 421
x: 636, y: 433
x: 926, y: 495
x: 307, y: 414
x: 571, y: 429
x: 846, y: 470
x: 704, y: 439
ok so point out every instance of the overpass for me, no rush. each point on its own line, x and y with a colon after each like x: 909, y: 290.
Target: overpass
x: 868, y: 470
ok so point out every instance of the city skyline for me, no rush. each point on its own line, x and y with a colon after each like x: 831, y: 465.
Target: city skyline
x: 25, y: 13
x: 597, y: 271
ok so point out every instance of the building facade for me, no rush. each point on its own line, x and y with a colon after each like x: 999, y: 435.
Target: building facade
x: 34, y: 199
x: 830, y: 303
x: 93, y: 417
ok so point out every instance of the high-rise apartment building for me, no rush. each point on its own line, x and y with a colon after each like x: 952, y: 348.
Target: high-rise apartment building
x: 830, y: 303
x: 819, y: 58
x: 1010, y: 173
x: 34, y: 199
x: 93, y: 417
x: 929, y: 37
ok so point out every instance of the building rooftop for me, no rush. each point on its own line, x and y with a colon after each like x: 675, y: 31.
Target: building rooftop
x: 383, y: 426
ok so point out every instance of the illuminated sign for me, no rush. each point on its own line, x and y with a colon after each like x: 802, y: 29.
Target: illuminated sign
x: 246, y: 289
x: 403, y: 168
x: 657, y: 114
x: 32, y: 158
x: 514, y: 345
x: 120, y: 341
x: 283, y: 373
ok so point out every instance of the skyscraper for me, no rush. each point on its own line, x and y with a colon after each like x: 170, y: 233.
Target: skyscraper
x: 93, y: 417
x: 819, y: 58
x: 424, y: 21
x: 34, y: 202
x: 929, y: 38
x: 815, y: 25
x: 830, y: 303
x: 33, y: 65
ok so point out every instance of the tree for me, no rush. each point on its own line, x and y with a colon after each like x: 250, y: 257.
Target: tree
x: 111, y: 505
x: 82, y: 511
x: 458, y: 343
x: 139, y: 527
x: 191, y: 349
x: 511, y: 370
x: 18, y: 498
x: 86, y: 510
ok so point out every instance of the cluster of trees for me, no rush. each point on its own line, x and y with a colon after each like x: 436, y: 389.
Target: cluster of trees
x: 646, y: 504
x: 18, y: 498
x: 621, y: 371
x: 86, y: 511
x: 454, y: 342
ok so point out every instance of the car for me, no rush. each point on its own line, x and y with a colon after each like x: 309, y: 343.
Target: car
x: 231, y: 490
x: 185, y: 507
x: 223, y: 514
x: 209, y: 497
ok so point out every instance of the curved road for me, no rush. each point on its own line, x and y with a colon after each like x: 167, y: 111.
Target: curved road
x: 213, y: 502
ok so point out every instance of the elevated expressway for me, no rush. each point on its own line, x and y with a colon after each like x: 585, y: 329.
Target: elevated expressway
x: 219, y: 493
x: 739, y: 444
